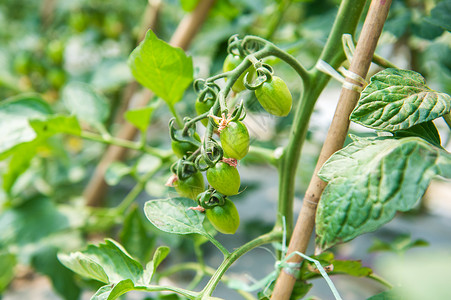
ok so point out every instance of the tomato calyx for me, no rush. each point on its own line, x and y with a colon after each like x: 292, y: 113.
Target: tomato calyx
x: 230, y: 161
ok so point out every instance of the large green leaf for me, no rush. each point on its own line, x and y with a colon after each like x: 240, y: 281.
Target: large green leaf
x: 7, y: 264
x: 399, y: 99
x: 14, y: 116
x: 173, y: 215
x: 165, y: 70
x: 86, y: 103
x: 18, y: 163
x: 370, y: 180
x: 108, y: 262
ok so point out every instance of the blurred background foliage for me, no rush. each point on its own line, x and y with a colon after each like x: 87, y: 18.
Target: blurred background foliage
x: 47, y: 44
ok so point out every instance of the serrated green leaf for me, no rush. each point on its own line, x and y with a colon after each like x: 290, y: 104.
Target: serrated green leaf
x: 399, y: 99
x: 56, y: 124
x: 85, y: 103
x: 165, y: 70
x: 370, y: 180
x: 174, y: 216
x: 441, y: 15
x: 108, y: 263
x: 140, y: 117
x: 7, y: 264
x: 426, y: 130
x: 15, y: 114
x: 116, y: 171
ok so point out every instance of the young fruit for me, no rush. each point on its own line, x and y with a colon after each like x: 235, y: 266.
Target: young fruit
x: 224, y: 178
x: 230, y: 63
x: 275, y: 97
x: 191, y: 186
x: 203, y: 107
x: 224, y: 218
x: 182, y: 148
x: 235, y: 140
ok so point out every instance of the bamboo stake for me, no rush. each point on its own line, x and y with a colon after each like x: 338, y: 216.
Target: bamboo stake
x: 182, y: 37
x: 336, y: 136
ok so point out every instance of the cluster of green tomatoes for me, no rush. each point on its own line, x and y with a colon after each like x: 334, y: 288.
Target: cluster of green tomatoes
x: 219, y: 159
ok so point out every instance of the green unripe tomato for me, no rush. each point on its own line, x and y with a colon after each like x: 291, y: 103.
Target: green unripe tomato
x: 235, y: 140
x: 230, y: 63
x: 56, y: 77
x: 182, y: 148
x: 55, y: 51
x: 191, y: 186
x: 203, y: 107
x: 224, y: 218
x: 224, y: 178
x: 275, y: 97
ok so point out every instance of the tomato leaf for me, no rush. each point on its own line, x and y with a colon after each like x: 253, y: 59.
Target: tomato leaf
x: 165, y: 70
x: 108, y: 262
x: 7, y: 265
x: 399, y: 99
x: 56, y: 124
x: 140, y: 117
x: 85, y: 103
x: 426, y: 130
x: 14, y: 116
x: 174, y: 216
x: 160, y: 254
x: 114, y: 291
x: 370, y: 180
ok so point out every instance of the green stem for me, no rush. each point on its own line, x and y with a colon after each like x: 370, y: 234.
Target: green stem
x: 137, y: 189
x: 218, y: 245
x: 176, y: 115
x: 164, y: 155
x: 380, y: 280
x: 346, y: 22
x: 161, y: 288
x: 380, y: 61
x: 230, y: 259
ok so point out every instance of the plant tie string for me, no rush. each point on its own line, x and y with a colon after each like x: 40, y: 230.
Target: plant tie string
x: 345, y: 74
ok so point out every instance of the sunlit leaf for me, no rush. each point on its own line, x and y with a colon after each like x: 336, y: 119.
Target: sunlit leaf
x: 140, y: 117
x: 399, y: 99
x: 108, y: 262
x: 174, y: 216
x: 15, y: 114
x: 370, y: 180
x: 56, y: 124
x: 162, y: 68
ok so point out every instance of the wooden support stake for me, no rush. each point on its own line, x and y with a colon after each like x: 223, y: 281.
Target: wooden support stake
x: 336, y: 136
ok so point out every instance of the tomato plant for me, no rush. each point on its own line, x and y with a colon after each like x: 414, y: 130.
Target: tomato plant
x: 101, y: 137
